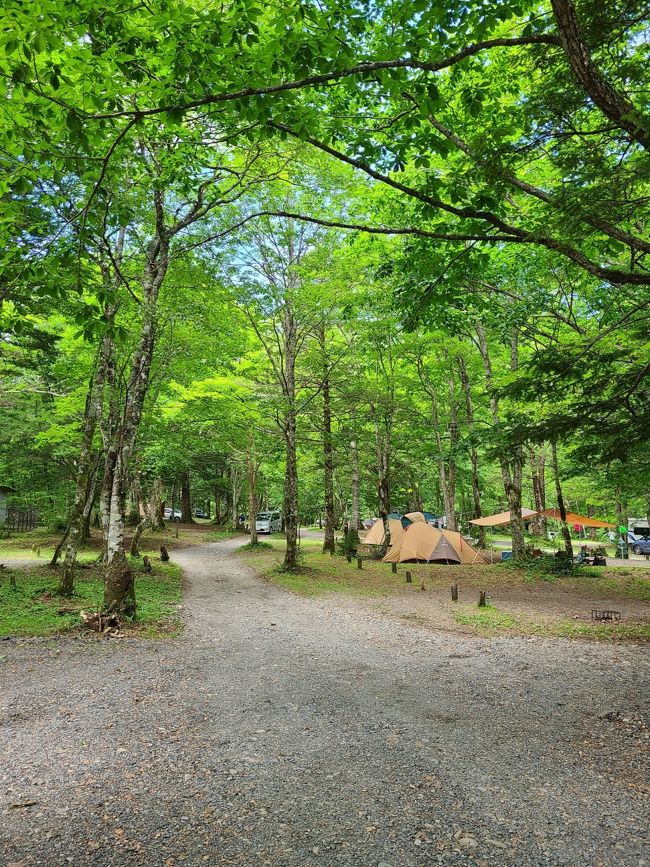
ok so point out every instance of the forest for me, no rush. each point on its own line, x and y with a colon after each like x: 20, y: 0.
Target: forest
x: 329, y: 258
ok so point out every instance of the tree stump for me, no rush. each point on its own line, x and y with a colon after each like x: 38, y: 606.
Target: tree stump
x: 164, y: 555
x: 454, y: 592
x: 481, y: 599
x: 409, y: 578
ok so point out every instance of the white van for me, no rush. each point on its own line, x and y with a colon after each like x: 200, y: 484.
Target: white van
x: 268, y: 522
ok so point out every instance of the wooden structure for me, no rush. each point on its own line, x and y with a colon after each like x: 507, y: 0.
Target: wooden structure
x: 4, y: 490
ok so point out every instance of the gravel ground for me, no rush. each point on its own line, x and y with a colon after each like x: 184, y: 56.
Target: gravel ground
x: 284, y: 731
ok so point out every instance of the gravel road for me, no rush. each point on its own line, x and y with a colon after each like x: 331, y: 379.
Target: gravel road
x: 283, y: 731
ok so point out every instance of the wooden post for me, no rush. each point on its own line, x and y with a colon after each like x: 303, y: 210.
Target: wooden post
x: 454, y: 592
x: 12, y: 580
x: 393, y: 568
x: 359, y: 563
x: 409, y: 578
x: 422, y: 586
x: 481, y: 599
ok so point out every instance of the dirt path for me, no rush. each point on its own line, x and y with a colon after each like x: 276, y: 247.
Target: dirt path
x: 283, y: 731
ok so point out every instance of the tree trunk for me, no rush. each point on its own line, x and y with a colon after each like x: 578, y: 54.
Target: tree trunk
x: 235, y: 495
x: 186, y: 499
x: 328, y: 450
x: 251, y: 461
x: 383, y: 470
x: 511, y: 471
x: 469, y: 411
x: 86, y: 472
x: 291, y: 474
x: 537, y: 470
x: 614, y: 105
x: 156, y: 513
x: 355, y: 516
x: 119, y: 591
x: 566, y: 535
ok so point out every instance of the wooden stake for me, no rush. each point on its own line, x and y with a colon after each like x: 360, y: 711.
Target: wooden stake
x: 481, y: 599
x: 422, y: 587
x: 359, y: 563
x: 409, y: 578
x: 393, y: 568
x: 454, y: 592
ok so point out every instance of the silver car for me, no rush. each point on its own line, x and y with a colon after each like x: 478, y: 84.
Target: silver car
x: 268, y: 522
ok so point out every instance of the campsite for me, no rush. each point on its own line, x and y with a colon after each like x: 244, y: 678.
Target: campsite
x: 324, y: 427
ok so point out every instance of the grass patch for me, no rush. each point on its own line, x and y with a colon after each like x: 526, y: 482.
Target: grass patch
x: 219, y: 535
x: 486, y: 621
x: 33, y: 609
x: 600, y: 631
x: 258, y: 546
x: 528, y: 603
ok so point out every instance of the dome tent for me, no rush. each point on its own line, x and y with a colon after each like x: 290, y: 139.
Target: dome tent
x: 375, y: 536
x: 426, y: 544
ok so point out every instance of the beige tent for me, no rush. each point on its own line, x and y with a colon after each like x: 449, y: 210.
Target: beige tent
x: 427, y: 544
x: 423, y: 543
x: 501, y: 518
x: 415, y: 516
x: 468, y: 556
x: 375, y: 535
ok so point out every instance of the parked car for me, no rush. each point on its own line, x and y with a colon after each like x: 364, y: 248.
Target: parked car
x: 268, y: 522
x: 642, y: 546
x: 199, y: 513
x: 172, y: 514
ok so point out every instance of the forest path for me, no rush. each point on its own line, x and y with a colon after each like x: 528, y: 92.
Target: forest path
x: 286, y: 731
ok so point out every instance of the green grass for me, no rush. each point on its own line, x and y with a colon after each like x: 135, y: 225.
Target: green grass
x: 486, y: 621
x: 321, y: 574
x: 219, y: 535
x: 32, y: 609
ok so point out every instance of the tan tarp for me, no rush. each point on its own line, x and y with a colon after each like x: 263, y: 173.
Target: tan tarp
x: 375, y: 535
x: 501, y: 518
x: 574, y: 518
x: 415, y: 516
x: 427, y: 544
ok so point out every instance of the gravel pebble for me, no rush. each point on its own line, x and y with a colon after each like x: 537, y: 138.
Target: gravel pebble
x: 336, y: 737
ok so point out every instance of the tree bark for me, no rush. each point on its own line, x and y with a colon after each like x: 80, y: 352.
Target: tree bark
x: 614, y: 105
x: 289, y: 430
x: 186, y: 499
x: 86, y: 468
x: 469, y: 412
x: 156, y: 513
x: 511, y: 469
x: 446, y: 459
x: 566, y: 535
x: 328, y: 450
x: 537, y: 457
x: 119, y: 592
x: 251, y: 461
x: 355, y: 517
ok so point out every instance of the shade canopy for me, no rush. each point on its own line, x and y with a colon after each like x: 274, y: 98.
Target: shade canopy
x: 575, y: 518
x: 426, y: 544
x: 501, y: 518
x: 571, y: 517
